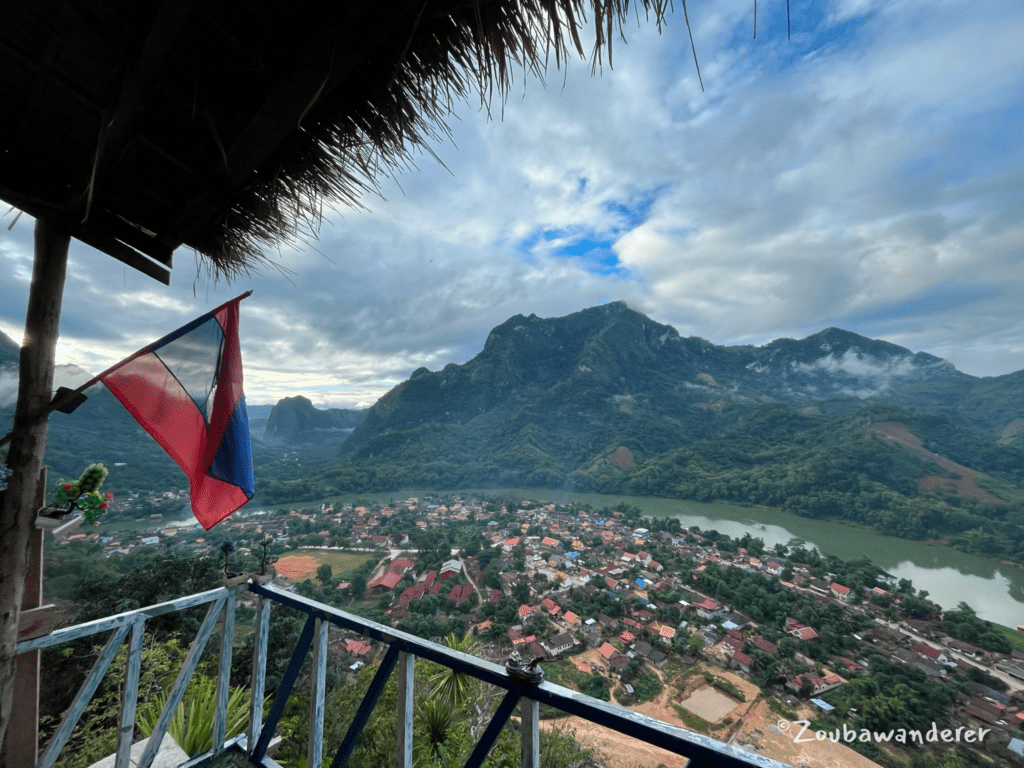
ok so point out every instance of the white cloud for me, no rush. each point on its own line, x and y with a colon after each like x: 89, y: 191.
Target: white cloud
x: 841, y: 179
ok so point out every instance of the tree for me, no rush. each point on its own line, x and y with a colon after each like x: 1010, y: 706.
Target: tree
x: 695, y: 644
x: 597, y: 686
x: 521, y: 592
x: 264, y: 553
x: 358, y: 586
x: 806, y: 686
x: 324, y: 573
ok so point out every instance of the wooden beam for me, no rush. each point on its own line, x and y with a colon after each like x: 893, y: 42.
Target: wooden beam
x: 134, y: 259
x: 28, y: 440
x: 116, y: 135
x: 32, y: 204
x: 36, y: 622
x: 329, y: 60
x: 152, y: 245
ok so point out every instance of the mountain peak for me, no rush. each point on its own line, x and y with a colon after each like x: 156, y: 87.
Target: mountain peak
x: 296, y: 420
x: 10, y: 351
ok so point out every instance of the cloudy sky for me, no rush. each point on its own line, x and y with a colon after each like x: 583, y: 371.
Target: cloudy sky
x: 866, y: 174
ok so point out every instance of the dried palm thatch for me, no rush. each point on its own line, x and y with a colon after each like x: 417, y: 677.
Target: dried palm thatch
x: 355, y: 135
x: 228, y: 126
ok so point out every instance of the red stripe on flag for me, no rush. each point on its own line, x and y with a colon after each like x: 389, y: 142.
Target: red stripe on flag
x: 213, y: 499
x: 163, y: 408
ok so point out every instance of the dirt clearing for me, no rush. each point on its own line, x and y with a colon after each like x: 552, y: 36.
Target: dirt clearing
x: 710, y: 705
x: 753, y: 725
x: 965, y: 485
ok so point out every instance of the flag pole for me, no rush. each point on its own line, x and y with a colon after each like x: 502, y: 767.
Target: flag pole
x: 66, y: 396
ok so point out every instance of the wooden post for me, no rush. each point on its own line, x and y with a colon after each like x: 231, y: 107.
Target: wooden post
x: 23, y: 746
x: 28, y: 441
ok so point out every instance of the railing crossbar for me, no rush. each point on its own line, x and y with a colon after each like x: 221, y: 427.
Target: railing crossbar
x: 490, y: 734
x: 701, y: 750
x: 366, y: 706
x: 107, y: 623
x: 458, y: 661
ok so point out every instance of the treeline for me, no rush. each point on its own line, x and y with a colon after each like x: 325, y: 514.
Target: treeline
x: 813, y: 465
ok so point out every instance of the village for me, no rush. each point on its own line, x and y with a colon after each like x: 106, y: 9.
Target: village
x: 624, y: 602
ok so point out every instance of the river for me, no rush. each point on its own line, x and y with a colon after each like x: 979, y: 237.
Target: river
x: 994, y: 590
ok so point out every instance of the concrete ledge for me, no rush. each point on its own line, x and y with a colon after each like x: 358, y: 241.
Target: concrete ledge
x: 169, y: 756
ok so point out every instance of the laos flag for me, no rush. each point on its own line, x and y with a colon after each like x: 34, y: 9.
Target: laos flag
x: 186, y: 391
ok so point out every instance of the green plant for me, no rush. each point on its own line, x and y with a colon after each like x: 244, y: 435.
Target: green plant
x: 448, y: 686
x: 192, y: 723
x: 84, y: 494
x: 729, y: 688
x: 435, y: 723
x: 692, y: 721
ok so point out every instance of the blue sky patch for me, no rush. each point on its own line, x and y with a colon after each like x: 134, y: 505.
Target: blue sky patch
x: 594, y: 249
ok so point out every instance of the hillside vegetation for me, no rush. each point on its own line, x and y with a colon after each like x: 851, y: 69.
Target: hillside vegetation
x: 833, y: 426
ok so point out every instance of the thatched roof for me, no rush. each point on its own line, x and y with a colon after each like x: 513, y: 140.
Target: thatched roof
x: 225, y: 126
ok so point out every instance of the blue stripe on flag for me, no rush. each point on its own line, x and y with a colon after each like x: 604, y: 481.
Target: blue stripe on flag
x: 233, y: 462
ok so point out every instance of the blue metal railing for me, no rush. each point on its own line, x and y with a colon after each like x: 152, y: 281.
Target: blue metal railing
x: 403, y: 651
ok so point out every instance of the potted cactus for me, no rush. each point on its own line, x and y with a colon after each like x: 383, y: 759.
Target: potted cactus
x: 82, y: 494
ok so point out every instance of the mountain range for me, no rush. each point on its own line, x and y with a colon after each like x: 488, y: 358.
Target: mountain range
x: 609, y: 400
x: 575, y: 387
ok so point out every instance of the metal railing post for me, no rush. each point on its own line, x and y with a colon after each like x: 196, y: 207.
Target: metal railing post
x: 318, y: 683
x: 224, y: 675
x: 406, y: 701
x: 130, y: 696
x: 257, y: 685
x: 529, y: 727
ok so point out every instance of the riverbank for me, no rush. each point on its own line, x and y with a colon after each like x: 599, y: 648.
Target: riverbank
x: 994, y: 589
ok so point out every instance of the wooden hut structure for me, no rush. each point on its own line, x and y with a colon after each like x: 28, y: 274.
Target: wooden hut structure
x: 140, y: 127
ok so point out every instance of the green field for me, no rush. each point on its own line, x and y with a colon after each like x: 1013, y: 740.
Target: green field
x: 341, y: 563
x: 1016, y: 638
